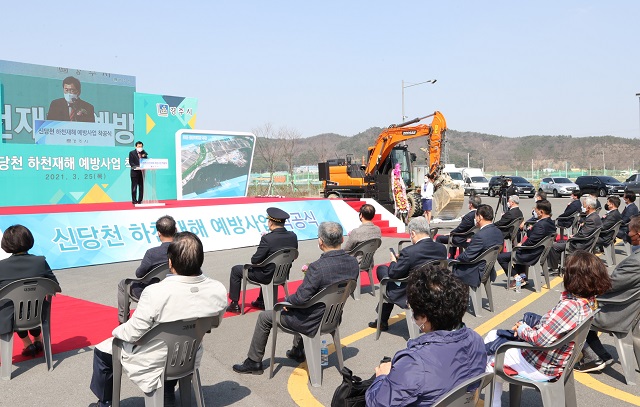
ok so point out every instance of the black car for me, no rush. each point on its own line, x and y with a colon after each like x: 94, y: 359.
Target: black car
x: 523, y: 186
x: 632, y: 184
x: 601, y: 185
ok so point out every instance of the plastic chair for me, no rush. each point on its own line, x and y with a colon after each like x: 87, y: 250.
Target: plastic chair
x: 466, y: 393
x: 627, y: 343
x: 182, y: 339
x: 512, y: 228
x: 155, y: 275
x: 282, y: 260
x: 414, y: 332
x: 365, y: 250
x: 556, y: 393
x: 28, y: 296
x: 574, y: 221
x: 591, y: 240
x: 466, y: 235
x: 610, y: 250
x: 541, y: 261
x: 333, y: 297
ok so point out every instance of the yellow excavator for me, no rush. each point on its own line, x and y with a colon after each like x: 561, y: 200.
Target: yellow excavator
x: 342, y: 178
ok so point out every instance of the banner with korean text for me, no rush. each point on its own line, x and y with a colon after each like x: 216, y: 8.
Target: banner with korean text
x: 75, y: 239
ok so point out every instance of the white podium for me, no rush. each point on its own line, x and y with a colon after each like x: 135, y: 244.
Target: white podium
x: 148, y: 167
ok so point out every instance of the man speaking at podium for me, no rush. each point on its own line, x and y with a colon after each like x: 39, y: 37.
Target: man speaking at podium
x: 137, y: 179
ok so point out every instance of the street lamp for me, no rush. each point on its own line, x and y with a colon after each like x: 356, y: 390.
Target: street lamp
x: 408, y: 86
x: 637, y: 95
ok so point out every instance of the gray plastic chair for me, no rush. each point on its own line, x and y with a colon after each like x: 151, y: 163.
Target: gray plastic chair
x: 592, y: 239
x: 610, y: 249
x: 627, y: 343
x: 155, y: 275
x: 489, y: 256
x: 28, y: 296
x: 182, y: 339
x: 512, y: 228
x: 574, y: 221
x: 333, y: 297
x: 414, y: 332
x: 466, y: 393
x: 466, y: 235
x: 538, y: 266
x: 554, y: 394
x: 282, y: 260
x: 365, y: 251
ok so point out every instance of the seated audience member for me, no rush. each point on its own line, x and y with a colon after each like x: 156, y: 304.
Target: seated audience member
x: 277, y: 238
x: 166, y: 228
x: 572, y: 207
x: 608, y: 220
x: 333, y: 266
x: 629, y: 211
x: 18, y: 240
x: 584, y: 278
x: 186, y: 294
x: 466, y: 224
x: 366, y: 231
x: 625, y: 280
x: 587, y: 226
x: 487, y: 236
x: 447, y: 354
x: 539, y: 196
x: 510, y: 215
x: 543, y: 227
x: 420, y: 252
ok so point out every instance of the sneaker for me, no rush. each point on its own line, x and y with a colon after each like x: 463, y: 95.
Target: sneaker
x: 593, y: 366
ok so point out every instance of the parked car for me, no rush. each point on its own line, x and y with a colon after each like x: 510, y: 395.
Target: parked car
x: 601, y: 185
x: 456, y: 177
x: 523, y: 186
x: 632, y: 184
x: 558, y: 186
x: 476, y: 185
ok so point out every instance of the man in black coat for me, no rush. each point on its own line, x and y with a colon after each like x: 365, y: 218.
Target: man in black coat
x: 466, y: 224
x: 630, y: 210
x: 71, y: 108
x: 137, y: 178
x: 573, y: 207
x: 509, y: 216
x: 608, y: 221
x: 333, y: 266
x: 487, y: 236
x: 543, y: 227
x: 278, y: 238
x: 420, y: 252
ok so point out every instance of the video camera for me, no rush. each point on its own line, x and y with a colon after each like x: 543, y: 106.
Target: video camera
x: 503, y: 183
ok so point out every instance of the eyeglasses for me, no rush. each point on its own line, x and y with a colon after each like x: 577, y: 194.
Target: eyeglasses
x: 633, y: 235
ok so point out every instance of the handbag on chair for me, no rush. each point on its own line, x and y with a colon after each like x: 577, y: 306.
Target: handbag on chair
x: 351, y: 392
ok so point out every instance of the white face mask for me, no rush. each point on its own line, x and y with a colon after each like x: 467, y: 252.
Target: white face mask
x: 139, y: 149
x: 583, y: 209
x: 70, y: 98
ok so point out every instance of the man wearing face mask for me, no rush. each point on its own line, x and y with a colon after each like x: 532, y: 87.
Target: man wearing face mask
x: 608, y: 220
x: 137, y: 178
x: 71, y: 108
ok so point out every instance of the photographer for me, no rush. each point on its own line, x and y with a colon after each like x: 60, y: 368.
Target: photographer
x: 506, y: 190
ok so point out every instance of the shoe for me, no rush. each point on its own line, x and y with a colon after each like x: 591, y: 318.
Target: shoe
x: 30, y: 351
x: 384, y: 326
x: 593, y: 366
x: 257, y: 304
x: 39, y: 346
x: 296, y: 354
x: 234, y: 307
x: 249, y: 367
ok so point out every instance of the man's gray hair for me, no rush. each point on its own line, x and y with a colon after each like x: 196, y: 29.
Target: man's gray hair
x: 515, y: 199
x: 418, y: 225
x: 475, y: 201
x: 589, y: 201
x: 331, y: 234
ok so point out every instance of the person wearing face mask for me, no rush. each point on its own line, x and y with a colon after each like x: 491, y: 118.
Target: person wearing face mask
x: 509, y: 216
x: 445, y: 355
x: 71, y: 108
x: 426, y: 194
x: 608, y: 220
x: 137, y: 177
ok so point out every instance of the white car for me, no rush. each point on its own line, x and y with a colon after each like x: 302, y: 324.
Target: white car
x: 476, y: 185
x: 558, y: 186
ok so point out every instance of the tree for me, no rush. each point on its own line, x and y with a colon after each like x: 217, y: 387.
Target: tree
x: 288, y: 139
x: 267, y: 150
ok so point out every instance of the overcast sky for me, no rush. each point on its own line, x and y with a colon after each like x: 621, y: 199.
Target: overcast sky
x: 502, y: 67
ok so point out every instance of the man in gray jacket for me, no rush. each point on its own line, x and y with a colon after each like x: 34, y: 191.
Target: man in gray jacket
x: 366, y: 231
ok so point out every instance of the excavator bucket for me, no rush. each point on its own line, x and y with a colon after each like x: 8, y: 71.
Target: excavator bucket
x: 448, y: 199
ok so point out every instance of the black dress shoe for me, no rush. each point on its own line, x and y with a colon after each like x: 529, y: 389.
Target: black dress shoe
x: 384, y: 326
x: 296, y: 354
x: 29, y: 351
x: 249, y: 367
x: 39, y: 346
x: 233, y: 307
x: 257, y: 304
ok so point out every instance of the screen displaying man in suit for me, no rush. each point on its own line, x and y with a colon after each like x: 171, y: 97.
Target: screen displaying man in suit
x: 137, y: 177
x: 71, y: 108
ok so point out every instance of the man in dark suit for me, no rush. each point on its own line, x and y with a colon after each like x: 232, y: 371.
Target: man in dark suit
x: 420, y: 252
x: 333, y: 266
x: 166, y: 228
x: 543, y: 227
x: 625, y: 280
x: 466, y: 224
x: 71, y: 108
x: 587, y: 226
x: 137, y: 177
x: 608, y: 221
x: 278, y: 238
x: 509, y: 216
x: 630, y: 210
x: 487, y: 236
x: 573, y: 207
